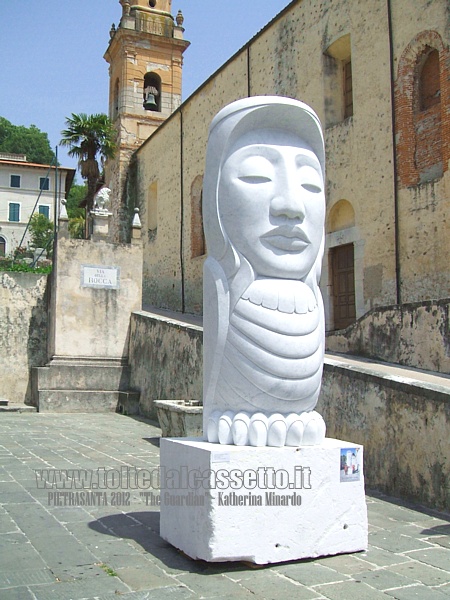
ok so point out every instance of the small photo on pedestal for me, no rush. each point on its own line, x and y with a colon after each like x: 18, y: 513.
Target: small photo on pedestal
x: 350, y: 464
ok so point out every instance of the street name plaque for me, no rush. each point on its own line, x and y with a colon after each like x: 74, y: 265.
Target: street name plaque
x: 100, y: 277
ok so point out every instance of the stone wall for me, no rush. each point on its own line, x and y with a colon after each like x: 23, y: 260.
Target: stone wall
x: 23, y: 332
x: 402, y: 424
x: 166, y: 360
x: 416, y: 335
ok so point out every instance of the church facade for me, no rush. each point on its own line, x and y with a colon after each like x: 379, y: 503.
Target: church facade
x: 378, y: 76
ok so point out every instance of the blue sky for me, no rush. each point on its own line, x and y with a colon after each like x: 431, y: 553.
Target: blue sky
x: 52, y: 53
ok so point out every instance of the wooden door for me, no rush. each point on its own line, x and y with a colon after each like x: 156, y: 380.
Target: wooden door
x: 343, y: 270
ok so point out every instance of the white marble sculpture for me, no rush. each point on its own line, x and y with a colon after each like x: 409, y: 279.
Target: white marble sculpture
x: 102, y: 200
x: 264, y: 211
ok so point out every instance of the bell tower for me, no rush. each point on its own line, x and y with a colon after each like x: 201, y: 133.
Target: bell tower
x: 145, y: 68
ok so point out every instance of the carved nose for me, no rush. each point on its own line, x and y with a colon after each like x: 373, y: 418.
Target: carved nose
x: 288, y: 204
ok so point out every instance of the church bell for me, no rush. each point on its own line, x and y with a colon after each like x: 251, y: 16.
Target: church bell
x: 150, y: 102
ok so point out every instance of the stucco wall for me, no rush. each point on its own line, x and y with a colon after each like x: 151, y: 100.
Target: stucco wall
x: 23, y: 332
x: 87, y: 321
x: 166, y: 360
x: 159, y: 196
x: 425, y: 240
x: 230, y: 83
x: 414, y: 335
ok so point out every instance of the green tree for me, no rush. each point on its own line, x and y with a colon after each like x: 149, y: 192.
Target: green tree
x: 89, y: 137
x: 77, y: 227
x: 31, y: 141
x: 75, y: 211
x: 74, y: 199
x: 41, y: 231
x: 5, y: 128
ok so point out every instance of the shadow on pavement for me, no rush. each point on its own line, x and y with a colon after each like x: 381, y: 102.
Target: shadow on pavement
x: 143, y: 529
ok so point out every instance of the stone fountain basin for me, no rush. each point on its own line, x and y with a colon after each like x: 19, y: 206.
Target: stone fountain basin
x: 180, y: 418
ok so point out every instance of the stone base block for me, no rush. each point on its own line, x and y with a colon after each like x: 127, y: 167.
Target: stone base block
x: 262, y: 505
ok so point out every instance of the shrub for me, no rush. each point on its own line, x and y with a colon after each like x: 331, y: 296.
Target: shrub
x: 41, y: 231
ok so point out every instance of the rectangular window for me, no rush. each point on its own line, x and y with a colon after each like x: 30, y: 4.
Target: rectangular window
x: 348, y: 90
x: 14, y: 212
x: 44, y: 183
x: 45, y: 210
x: 338, y: 81
x: 14, y: 181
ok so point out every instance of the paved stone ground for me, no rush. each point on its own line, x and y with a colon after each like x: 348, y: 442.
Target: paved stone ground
x: 51, y: 552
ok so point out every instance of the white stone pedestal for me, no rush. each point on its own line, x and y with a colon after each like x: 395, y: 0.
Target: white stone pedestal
x: 262, y: 505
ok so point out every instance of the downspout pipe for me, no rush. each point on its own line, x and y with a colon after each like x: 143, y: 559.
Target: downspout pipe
x: 183, y: 302
x: 398, y: 279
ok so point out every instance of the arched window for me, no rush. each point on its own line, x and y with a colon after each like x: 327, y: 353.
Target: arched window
x: 152, y: 92
x: 429, y: 80
x: 421, y: 129
x: 2, y: 246
x: 198, y: 246
x: 427, y: 116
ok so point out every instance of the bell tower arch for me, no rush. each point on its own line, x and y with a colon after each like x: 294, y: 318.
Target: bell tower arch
x: 145, y: 75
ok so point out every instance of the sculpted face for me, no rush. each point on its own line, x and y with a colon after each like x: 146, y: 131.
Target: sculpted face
x: 272, y: 203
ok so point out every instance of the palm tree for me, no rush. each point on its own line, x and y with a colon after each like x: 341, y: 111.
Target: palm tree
x: 89, y: 137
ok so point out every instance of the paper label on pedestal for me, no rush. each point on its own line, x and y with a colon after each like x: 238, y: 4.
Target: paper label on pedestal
x: 350, y: 467
x: 217, y: 457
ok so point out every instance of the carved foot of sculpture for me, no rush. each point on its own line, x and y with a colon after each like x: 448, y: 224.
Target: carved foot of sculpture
x: 243, y: 429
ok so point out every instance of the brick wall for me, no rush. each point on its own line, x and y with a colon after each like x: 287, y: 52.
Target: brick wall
x: 423, y: 133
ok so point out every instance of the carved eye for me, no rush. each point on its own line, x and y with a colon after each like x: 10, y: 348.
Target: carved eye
x: 310, y: 187
x: 255, y: 169
x: 310, y: 179
x: 254, y: 179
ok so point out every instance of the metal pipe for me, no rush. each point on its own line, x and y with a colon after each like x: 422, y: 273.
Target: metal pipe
x: 398, y: 279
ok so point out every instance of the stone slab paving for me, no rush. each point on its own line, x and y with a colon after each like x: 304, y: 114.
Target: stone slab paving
x: 53, y: 550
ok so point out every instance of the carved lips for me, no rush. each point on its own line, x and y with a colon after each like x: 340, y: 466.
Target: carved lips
x: 288, y: 239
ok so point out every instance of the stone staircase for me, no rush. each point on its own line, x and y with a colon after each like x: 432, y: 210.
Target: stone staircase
x: 7, y: 406
x: 69, y: 385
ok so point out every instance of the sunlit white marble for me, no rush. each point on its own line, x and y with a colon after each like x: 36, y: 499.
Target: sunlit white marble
x: 102, y: 200
x: 264, y: 212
